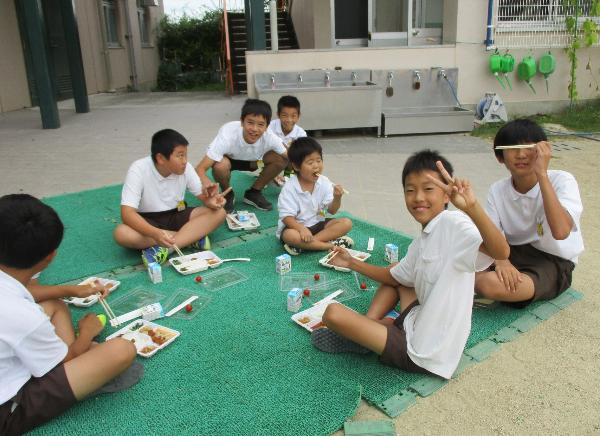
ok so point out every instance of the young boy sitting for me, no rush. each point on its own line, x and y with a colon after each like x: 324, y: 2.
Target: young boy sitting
x: 238, y: 146
x: 154, y: 213
x: 433, y: 282
x: 285, y: 127
x: 44, y: 367
x: 539, y: 211
x: 306, y: 199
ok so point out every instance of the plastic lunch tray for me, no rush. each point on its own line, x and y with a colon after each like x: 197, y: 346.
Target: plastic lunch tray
x: 360, y: 255
x: 92, y: 299
x: 195, y: 262
x: 142, y: 340
x: 251, y: 224
x: 311, y: 318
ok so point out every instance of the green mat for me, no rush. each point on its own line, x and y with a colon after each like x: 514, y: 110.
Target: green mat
x: 242, y: 367
x: 91, y: 216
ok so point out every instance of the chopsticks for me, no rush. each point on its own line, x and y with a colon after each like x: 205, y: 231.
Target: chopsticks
x: 178, y: 251
x: 106, y: 307
x: 330, y: 256
x: 515, y: 146
x: 343, y: 189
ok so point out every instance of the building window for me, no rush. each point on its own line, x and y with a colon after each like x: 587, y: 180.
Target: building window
x: 110, y: 23
x: 143, y: 19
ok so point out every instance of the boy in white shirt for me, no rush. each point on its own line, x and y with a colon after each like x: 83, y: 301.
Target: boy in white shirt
x: 286, y: 127
x: 238, y: 146
x: 539, y: 212
x: 433, y: 283
x: 305, y: 200
x: 154, y: 213
x: 44, y: 367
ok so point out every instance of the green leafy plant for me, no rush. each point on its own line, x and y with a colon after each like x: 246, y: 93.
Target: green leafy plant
x: 586, y: 35
x: 190, y: 50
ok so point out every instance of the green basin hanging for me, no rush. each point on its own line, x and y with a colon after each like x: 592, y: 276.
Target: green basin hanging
x: 526, y: 70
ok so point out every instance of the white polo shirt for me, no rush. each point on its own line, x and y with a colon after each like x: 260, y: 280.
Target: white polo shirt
x: 440, y: 264
x: 230, y: 141
x: 307, y: 207
x: 297, y: 132
x: 29, y: 345
x: 522, y: 219
x: 147, y: 191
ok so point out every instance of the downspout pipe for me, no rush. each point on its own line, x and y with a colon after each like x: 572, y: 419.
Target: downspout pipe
x: 489, y: 42
x: 105, y: 53
x: 130, y: 52
x: 274, y: 27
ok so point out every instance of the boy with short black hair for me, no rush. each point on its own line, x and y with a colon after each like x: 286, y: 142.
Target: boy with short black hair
x: 44, y: 367
x: 288, y: 114
x: 539, y: 212
x: 238, y: 146
x: 433, y: 283
x: 306, y: 199
x: 154, y: 213
x: 286, y: 127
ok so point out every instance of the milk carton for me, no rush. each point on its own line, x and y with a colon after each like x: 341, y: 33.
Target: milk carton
x: 155, y: 272
x: 391, y: 253
x: 152, y: 312
x: 243, y: 216
x: 283, y: 264
x: 294, y: 300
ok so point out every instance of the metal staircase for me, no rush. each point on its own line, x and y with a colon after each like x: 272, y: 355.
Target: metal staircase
x: 238, y: 43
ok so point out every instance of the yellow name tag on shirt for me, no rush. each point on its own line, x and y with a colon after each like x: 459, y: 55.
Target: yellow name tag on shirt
x: 540, y: 229
x: 181, y: 206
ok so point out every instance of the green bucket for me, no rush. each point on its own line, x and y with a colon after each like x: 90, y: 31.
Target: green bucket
x: 547, y: 65
x: 526, y: 70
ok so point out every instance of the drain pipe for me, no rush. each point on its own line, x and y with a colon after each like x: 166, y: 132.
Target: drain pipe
x: 489, y: 42
x: 105, y: 53
x: 274, y: 27
x: 130, y: 52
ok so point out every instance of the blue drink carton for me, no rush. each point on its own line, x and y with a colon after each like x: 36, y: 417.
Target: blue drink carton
x: 391, y: 253
x: 294, y: 300
x: 283, y: 264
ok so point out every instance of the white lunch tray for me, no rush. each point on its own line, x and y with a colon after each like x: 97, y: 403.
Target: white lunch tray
x: 251, y: 224
x: 136, y: 332
x: 311, y: 318
x: 360, y: 255
x: 195, y: 262
x: 92, y: 299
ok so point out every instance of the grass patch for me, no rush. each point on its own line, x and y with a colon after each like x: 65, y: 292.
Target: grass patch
x: 584, y: 117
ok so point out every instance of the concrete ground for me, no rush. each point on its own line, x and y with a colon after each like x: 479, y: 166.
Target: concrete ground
x: 547, y: 381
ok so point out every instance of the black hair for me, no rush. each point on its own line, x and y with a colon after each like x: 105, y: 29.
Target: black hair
x: 29, y: 231
x: 302, y: 147
x: 164, y: 142
x: 253, y: 106
x: 425, y: 160
x: 288, y: 101
x: 519, y: 131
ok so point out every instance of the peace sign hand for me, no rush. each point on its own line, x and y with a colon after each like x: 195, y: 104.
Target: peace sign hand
x: 459, y: 190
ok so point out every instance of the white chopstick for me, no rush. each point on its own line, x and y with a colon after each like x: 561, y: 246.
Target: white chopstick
x: 238, y: 259
x: 106, y: 307
x: 509, y: 147
x: 331, y: 256
x: 181, y: 306
x: 329, y: 297
x: 343, y: 189
x: 178, y: 251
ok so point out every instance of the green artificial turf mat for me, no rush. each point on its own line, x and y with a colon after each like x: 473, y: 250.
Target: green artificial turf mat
x: 91, y: 216
x: 241, y: 366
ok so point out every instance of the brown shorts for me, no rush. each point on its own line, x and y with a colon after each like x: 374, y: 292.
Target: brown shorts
x: 169, y: 219
x: 313, y: 229
x: 38, y: 401
x: 395, y: 351
x: 551, y: 275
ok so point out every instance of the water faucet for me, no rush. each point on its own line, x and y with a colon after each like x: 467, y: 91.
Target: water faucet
x: 299, y: 78
x: 417, y: 79
x: 272, y: 81
x: 442, y: 74
x: 327, y: 79
x: 354, y: 77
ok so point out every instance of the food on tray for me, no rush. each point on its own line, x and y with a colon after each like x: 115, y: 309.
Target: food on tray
x: 212, y: 261
x: 147, y: 349
x: 176, y: 262
x: 304, y: 320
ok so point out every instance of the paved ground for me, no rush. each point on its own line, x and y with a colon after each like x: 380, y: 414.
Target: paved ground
x: 546, y: 381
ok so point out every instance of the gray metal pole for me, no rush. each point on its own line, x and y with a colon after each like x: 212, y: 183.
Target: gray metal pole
x: 274, y: 27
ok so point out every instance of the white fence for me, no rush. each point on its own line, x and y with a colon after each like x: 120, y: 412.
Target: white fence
x: 536, y: 23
